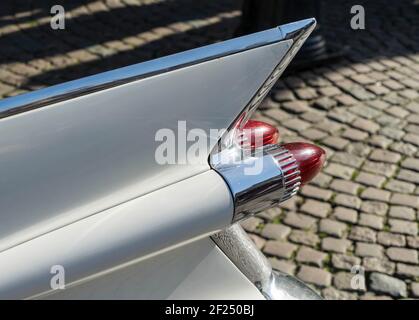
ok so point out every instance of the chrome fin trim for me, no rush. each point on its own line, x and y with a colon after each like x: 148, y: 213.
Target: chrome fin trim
x: 72, y: 89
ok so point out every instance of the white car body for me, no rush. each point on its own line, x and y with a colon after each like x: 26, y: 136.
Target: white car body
x: 80, y: 186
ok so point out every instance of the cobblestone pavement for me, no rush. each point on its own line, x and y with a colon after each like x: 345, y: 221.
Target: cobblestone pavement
x: 364, y: 110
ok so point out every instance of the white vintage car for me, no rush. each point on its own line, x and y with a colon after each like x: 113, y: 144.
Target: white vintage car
x: 130, y: 184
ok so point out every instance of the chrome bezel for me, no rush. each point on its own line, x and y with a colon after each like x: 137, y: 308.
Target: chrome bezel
x: 258, y: 178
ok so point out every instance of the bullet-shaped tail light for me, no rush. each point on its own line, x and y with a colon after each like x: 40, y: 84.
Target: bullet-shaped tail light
x: 257, y: 133
x: 309, y: 159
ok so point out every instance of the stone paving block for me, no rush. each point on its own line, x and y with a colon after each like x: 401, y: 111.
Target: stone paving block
x: 380, y: 141
x: 306, y: 93
x: 375, y: 194
x: 251, y: 224
x: 371, y: 220
x: 322, y: 180
x: 373, y: 264
x: 385, y: 156
x: 332, y: 227
x: 374, y: 207
x: 378, y: 90
x: 335, y: 142
x: 368, y: 250
x: 343, y: 281
x: 300, y: 221
x: 363, y: 234
x: 359, y: 149
x: 348, y: 159
x: 382, y: 283
x: 412, y: 128
x: 311, y: 256
x: 412, y: 138
x: 345, y: 262
x: 329, y: 91
x: 411, y: 163
x: 276, y: 115
x: 290, y: 204
x: 408, y: 175
x: 413, y: 106
x: 415, y: 289
x: 346, y: 100
x: 331, y: 293
x: 403, y: 227
x: 392, y: 133
x: 317, y: 193
x: 341, y: 116
x: 336, y: 245
x: 313, y: 116
x: 405, y: 200
x: 366, y: 125
x: 380, y: 168
x: 284, y: 95
x: 361, y: 94
x: 386, y: 120
x: 345, y: 214
x: 369, y: 179
x: 405, y: 149
x: 364, y: 111
x: 372, y: 296
x: 316, y: 208
x: 315, y: 276
x: 329, y: 126
x: 397, y: 112
x: 362, y: 79
x: 325, y: 103
x: 401, y: 212
x: 407, y: 271
x: 348, y: 201
x: 413, y: 241
x: 400, y: 186
x: 296, y: 106
x: 271, y: 213
x: 280, y: 249
x: 354, y: 134
x: 313, y: 134
x: 413, y: 118
x: 391, y: 239
x: 283, y: 265
x: 402, y: 255
x: 303, y: 237
x: 345, y: 186
x: 378, y: 104
x: 296, y: 124
x: 275, y: 231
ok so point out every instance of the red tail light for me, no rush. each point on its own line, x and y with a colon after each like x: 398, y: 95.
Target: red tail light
x: 257, y: 133
x: 310, y: 159
x: 266, y: 176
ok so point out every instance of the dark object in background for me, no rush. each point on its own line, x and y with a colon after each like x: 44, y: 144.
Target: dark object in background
x: 259, y: 15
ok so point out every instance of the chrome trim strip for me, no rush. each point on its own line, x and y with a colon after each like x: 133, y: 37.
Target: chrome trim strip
x: 241, y: 250
x: 72, y: 89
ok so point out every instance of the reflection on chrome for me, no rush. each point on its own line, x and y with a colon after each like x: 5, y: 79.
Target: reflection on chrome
x: 274, y: 285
